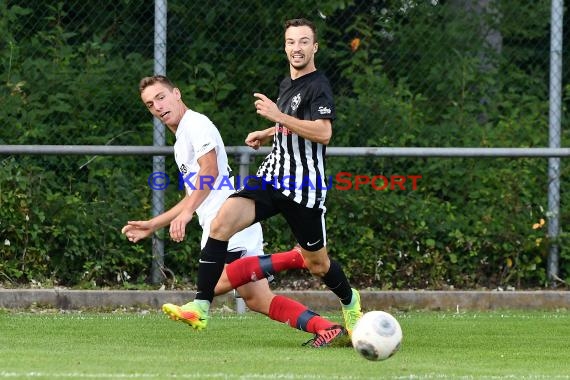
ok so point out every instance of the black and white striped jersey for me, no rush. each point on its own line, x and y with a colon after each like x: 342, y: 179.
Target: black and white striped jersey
x: 296, y: 166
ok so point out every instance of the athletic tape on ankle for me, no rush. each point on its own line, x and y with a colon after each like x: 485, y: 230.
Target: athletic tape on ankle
x: 304, y: 318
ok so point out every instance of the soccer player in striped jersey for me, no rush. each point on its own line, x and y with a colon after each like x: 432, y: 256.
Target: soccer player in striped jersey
x: 290, y: 182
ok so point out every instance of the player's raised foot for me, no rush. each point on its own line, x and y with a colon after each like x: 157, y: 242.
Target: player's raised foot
x: 352, y: 312
x: 327, y: 337
x: 190, y: 313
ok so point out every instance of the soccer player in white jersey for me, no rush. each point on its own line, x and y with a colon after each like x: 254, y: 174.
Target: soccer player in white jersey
x: 290, y: 181
x: 201, y: 158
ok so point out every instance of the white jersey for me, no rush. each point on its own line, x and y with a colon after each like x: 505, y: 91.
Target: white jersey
x: 196, y: 135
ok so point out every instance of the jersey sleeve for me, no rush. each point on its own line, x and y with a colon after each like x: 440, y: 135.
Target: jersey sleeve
x: 203, y: 138
x: 322, y: 105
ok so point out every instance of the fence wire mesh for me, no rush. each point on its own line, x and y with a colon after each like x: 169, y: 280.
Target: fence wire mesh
x: 404, y: 72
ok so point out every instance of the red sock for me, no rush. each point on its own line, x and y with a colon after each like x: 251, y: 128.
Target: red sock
x: 254, y: 268
x: 296, y: 315
x: 288, y: 260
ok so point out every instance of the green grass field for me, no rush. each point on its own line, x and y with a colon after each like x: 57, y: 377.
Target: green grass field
x: 147, y: 345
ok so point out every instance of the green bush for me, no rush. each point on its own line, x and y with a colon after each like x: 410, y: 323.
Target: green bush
x: 471, y: 223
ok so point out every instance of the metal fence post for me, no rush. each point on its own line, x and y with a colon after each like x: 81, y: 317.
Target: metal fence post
x: 159, y: 139
x: 555, y: 118
x: 244, y: 161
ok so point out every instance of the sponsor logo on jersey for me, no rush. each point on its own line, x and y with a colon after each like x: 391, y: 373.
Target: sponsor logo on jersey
x: 205, y: 147
x: 284, y: 130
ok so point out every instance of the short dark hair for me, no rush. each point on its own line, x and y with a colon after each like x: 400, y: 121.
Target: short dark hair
x: 302, y: 22
x: 149, y: 81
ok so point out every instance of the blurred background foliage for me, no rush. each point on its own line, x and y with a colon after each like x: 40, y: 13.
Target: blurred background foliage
x: 455, y: 73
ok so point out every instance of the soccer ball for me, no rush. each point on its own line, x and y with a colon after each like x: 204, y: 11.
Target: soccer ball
x: 377, y: 335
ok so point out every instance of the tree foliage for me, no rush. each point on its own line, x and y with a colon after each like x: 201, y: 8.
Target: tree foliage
x: 405, y: 73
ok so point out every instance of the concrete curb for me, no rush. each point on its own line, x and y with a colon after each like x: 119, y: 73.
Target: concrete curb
x: 315, y: 299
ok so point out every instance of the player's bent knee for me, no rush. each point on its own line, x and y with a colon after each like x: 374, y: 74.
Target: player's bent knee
x: 253, y: 304
x: 318, y: 263
x: 318, y: 269
x: 257, y: 296
x: 220, y: 230
x: 259, y: 304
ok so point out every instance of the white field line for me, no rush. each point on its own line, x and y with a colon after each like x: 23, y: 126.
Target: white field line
x: 225, y: 376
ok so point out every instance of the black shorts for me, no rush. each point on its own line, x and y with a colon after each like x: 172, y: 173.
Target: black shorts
x: 307, y: 224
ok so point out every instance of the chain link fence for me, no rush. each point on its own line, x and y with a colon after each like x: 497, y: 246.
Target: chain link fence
x: 105, y: 48
x: 405, y: 73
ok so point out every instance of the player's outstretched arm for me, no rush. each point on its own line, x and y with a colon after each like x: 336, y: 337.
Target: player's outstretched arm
x: 136, y: 230
x: 258, y: 138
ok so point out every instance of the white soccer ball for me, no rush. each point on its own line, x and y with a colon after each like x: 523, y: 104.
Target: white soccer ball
x: 377, y: 335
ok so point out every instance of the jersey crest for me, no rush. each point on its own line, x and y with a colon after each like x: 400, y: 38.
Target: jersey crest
x: 295, y: 102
